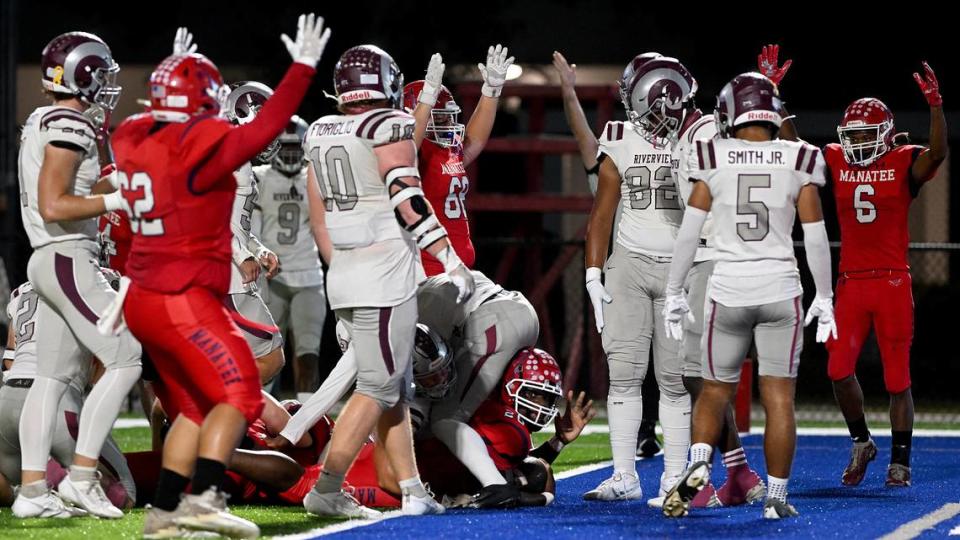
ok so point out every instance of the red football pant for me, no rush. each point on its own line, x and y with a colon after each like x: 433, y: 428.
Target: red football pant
x: 886, y: 303
x: 198, y: 351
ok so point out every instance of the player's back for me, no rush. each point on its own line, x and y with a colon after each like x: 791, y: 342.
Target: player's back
x: 873, y: 205
x: 438, y: 306
x: 648, y: 195
x: 65, y: 128
x: 445, y: 185
x: 374, y: 261
x: 755, y: 187
x: 285, y: 225
x: 181, y: 235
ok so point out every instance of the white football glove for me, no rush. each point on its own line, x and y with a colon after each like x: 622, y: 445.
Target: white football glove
x: 183, y: 42
x: 822, y: 309
x: 598, y: 295
x: 494, y: 73
x: 433, y: 81
x: 463, y: 279
x: 675, y: 307
x: 311, y: 40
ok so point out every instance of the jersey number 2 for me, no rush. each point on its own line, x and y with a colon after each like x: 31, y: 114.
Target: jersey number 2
x: 866, y: 211
x: 455, y: 205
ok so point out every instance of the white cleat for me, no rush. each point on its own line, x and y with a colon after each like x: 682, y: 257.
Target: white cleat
x: 49, y: 505
x: 622, y: 486
x: 208, y: 512
x: 677, y: 501
x: 421, y: 506
x: 88, y: 496
x: 337, y: 503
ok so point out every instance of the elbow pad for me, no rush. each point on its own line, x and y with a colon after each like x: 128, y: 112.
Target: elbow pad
x: 426, y: 229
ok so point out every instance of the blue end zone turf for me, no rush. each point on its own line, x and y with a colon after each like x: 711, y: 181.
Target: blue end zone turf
x: 826, y: 508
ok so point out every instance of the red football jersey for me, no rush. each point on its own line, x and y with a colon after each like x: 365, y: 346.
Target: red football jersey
x: 445, y: 184
x: 873, y: 204
x: 115, y: 240
x: 181, y: 238
x: 508, y: 440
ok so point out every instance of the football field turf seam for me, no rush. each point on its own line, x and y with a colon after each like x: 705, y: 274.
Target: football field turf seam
x: 912, y: 529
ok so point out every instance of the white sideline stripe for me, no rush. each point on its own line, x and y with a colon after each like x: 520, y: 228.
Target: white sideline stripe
x: 912, y: 529
x: 583, y: 469
x: 125, y: 423
x: 955, y: 531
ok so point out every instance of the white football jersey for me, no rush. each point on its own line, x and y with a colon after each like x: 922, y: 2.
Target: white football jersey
x: 438, y: 307
x: 651, y: 210
x: 284, y: 226
x: 683, y: 164
x: 56, y: 125
x: 374, y: 260
x: 755, y: 186
x: 244, y: 243
x: 22, y: 314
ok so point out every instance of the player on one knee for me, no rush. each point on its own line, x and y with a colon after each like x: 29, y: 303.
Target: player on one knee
x: 754, y: 185
x: 875, y: 177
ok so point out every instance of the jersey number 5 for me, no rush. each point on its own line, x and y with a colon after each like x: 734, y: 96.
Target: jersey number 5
x: 866, y: 211
x: 755, y: 229
x: 138, y: 196
x: 455, y: 205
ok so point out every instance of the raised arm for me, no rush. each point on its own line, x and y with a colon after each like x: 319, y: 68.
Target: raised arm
x: 929, y: 160
x: 494, y: 74
x: 576, y: 119
x: 428, y: 97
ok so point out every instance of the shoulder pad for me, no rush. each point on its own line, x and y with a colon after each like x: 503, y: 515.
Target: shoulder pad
x: 706, y: 155
x: 613, y: 132
x: 386, y: 126
x: 199, y: 137
x: 68, y: 125
x: 807, y: 156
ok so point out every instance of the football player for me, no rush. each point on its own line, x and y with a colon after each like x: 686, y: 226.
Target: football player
x: 875, y: 177
x: 447, y: 147
x: 754, y: 185
x: 295, y: 297
x: 370, y: 217
x: 240, y: 107
x: 65, y: 164
x: 635, y: 171
x: 176, y: 168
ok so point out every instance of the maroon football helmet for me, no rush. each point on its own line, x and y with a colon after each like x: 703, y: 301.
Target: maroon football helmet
x: 444, y: 127
x: 242, y: 105
x: 749, y: 98
x: 367, y: 72
x: 531, y: 385
x: 866, y: 132
x: 656, y: 91
x: 184, y: 85
x: 81, y: 64
x: 289, y: 159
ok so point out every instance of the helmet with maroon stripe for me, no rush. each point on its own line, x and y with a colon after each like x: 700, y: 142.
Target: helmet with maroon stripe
x: 184, y: 85
x: 81, y: 64
x: 657, y: 92
x: 444, y: 127
x: 750, y: 98
x: 367, y: 73
x: 866, y: 132
x: 531, y: 385
x: 433, y: 370
x: 289, y: 159
x: 242, y: 105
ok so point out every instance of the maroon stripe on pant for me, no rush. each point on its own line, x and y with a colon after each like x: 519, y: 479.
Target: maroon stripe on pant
x: 384, y: 334
x: 252, y: 330
x: 713, y: 315
x: 796, y: 332
x: 63, y: 267
x: 491, y: 335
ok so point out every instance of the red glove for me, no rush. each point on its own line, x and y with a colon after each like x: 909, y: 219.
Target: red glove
x: 929, y: 86
x: 767, y: 64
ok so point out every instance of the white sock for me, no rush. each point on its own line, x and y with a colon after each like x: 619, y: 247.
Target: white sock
x: 701, y: 452
x: 101, y: 408
x: 413, y: 486
x: 675, y: 421
x: 624, y: 414
x: 777, y: 488
x: 467, y: 445
x: 37, y: 422
x: 79, y: 473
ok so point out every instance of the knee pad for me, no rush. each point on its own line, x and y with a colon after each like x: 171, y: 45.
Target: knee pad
x: 624, y: 391
x: 673, y: 390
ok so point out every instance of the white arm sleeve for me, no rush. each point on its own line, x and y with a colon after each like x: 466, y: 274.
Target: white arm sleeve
x: 817, y: 245
x: 465, y: 443
x: 685, y: 248
x: 330, y: 392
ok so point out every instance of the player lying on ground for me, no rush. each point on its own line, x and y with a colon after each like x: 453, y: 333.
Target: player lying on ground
x: 755, y: 185
x: 176, y: 167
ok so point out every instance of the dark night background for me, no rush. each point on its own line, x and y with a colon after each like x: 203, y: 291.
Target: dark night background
x: 840, y: 52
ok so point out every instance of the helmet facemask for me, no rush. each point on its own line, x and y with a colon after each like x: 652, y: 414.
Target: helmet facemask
x: 444, y: 127
x: 535, y: 402
x: 108, y: 93
x: 289, y: 158
x: 434, y: 373
x: 653, y: 124
x: 864, y: 143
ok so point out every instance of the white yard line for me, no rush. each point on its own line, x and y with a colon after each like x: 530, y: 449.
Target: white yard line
x: 955, y: 531
x: 819, y: 432
x: 912, y: 529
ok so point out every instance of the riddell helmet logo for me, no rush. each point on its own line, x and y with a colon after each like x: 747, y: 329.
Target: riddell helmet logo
x: 761, y: 116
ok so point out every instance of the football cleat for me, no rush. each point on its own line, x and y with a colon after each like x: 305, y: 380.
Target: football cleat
x: 49, y: 505
x: 705, y: 498
x: 89, y: 496
x: 622, y: 486
x: 159, y: 524
x: 860, y: 456
x: 419, y: 506
x: 208, y: 512
x: 337, y: 503
x: 496, y: 496
x: 743, y: 486
x: 677, y: 501
x: 777, y: 509
x: 898, y: 475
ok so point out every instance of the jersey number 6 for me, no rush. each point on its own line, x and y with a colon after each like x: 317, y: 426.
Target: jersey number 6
x: 866, y: 211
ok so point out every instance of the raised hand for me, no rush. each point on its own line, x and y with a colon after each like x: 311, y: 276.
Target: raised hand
x: 767, y: 64
x: 183, y: 42
x: 494, y: 72
x: 311, y: 39
x: 575, y: 418
x: 566, y: 71
x: 929, y: 86
x: 433, y: 81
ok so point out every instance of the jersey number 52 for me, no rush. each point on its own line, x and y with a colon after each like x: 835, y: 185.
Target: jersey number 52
x: 455, y: 205
x: 138, y: 199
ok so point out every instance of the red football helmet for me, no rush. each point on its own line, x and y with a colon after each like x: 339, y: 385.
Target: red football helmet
x: 367, y: 72
x: 747, y: 99
x: 183, y: 86
x: 866, y: 132
x: 444, y: 127
x: 656, y: 91
x: 531, y: 384
x: 81, y: 64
